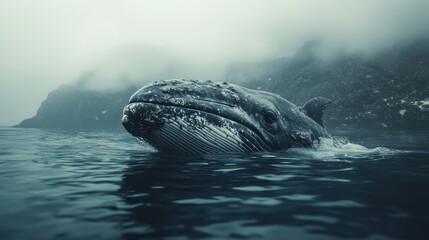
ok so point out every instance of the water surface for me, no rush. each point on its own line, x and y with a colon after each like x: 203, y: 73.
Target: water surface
x: 101, y: 185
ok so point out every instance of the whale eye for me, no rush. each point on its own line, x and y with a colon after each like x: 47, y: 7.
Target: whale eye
x: 270, y: 121
x: 269, y: 117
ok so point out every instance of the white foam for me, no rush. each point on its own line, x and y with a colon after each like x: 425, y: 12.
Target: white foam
x: 146, y: 146
x: 339, y: 149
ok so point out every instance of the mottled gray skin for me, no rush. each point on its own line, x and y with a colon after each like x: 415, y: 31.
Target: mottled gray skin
x: 198, y: 117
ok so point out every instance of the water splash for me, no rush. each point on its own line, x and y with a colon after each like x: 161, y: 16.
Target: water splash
x: 341, y: 149
x: 146, y: 147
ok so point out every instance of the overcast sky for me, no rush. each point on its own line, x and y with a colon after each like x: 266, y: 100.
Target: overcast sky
x: 44, y: 44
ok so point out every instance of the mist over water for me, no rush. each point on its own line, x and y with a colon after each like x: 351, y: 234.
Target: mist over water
x: 48, y: 43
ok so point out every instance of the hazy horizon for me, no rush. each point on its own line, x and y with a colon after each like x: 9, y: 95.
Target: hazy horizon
x: 44, y: 44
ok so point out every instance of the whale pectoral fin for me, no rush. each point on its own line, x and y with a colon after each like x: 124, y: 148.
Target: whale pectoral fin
x: 315, y: 107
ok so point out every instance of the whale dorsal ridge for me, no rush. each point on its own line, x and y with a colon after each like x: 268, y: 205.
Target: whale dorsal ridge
x: 315, y: 107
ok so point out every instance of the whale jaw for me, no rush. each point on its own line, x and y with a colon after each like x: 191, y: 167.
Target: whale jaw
x: 178, y: 130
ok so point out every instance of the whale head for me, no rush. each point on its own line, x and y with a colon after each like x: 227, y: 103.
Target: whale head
x: 198, y: 117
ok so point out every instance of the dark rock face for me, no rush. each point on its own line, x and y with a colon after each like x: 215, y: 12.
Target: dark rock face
x: 388, y: 90
x: 71, y: 107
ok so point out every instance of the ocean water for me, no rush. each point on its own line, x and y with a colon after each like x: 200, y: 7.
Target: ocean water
x: 104, y: 185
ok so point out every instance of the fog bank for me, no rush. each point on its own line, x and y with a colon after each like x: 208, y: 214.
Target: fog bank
x: 44, y: 44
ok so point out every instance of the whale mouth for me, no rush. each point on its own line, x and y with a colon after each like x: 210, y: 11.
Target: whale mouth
x: 203, y: 123
x: 218, y: 108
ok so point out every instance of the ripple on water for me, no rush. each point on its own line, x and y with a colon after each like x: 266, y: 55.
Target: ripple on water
x: 258, y: 188
x: 275, y: 177
x: 214, y: 200
x: 251, y: 229
x: 339, y: 203
x: 317, y: 218
x: 263, y: 201
x: 331, y: 179
x: 226, y: 170
x: 299, y: 197
x: 286, y: 165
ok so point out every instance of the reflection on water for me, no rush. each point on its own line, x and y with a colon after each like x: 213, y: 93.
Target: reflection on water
x: 104, y: 185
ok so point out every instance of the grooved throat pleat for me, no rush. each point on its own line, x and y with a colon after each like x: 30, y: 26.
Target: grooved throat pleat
x: 254, y: 142
x: 179, y: 136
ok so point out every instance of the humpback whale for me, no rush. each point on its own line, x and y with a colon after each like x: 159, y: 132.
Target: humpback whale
x: 181, y: 116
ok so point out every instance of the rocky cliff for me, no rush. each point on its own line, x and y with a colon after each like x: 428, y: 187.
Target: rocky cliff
x: 386, y: 90
x: 74, y: 107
